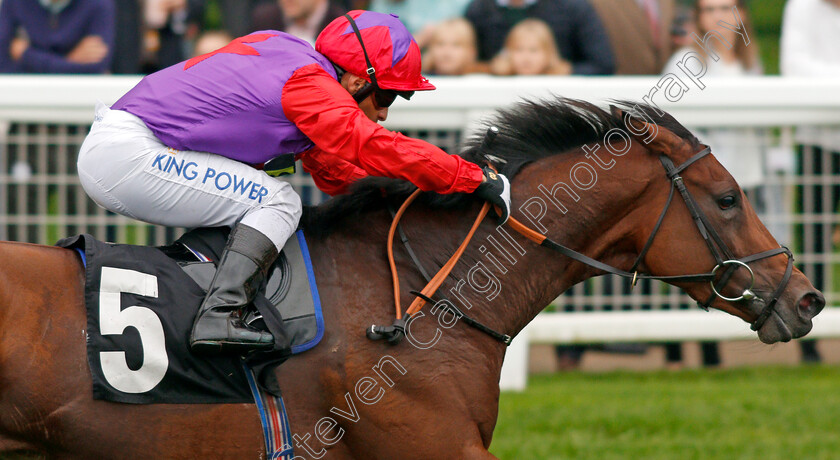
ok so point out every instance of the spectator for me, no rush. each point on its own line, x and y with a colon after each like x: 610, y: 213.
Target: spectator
x: 739, y: 150
x: 810, y: 34
x: 530, y: 50
x: 421, y: 16
x: 577, y: 30
x: 351, y: 5
x: 683, y: 27
x: 210, y: 41
x: 737, y: 60
x: 640, y: 36
x: 128, y: 44
x: 169, y: 24
x: 236, y: 16
x: 302, y: 18
x: 55, y: 36
x: 452, y: 49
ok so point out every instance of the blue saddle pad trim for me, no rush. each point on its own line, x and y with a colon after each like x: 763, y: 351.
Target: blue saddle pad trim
x: 81, y: 252
x: 313, y: 287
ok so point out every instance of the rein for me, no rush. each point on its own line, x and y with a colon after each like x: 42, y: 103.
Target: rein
x: 396, y: 331
x: 723, y: 256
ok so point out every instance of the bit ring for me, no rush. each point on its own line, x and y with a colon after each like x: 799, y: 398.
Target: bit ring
x: 747, y: 295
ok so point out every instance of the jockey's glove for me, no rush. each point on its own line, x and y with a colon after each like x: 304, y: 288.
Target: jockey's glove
x: 496, y: 190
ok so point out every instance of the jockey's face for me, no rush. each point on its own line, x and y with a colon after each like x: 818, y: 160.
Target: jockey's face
x: 374, y: 113
x: 352, y: 84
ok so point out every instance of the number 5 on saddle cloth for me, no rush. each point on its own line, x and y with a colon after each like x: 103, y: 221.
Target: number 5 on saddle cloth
x: 141, y: 302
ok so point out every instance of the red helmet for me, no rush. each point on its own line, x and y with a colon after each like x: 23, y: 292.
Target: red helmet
x: 376, y: 47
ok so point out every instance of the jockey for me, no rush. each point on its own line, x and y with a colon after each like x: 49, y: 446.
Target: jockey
x: 197, y: 144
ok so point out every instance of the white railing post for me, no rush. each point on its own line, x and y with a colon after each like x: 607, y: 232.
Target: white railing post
x: 514, y: 375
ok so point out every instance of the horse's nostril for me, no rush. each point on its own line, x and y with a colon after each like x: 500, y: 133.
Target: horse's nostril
x: 810, y: 304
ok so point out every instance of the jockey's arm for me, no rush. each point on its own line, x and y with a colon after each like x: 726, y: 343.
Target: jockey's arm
x: 326, y: 113
x: 331, y: 173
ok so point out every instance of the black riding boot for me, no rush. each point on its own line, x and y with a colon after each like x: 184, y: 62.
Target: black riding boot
x: 244, y: 264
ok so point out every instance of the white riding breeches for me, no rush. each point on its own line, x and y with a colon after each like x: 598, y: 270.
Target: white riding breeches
x: 124, y: 168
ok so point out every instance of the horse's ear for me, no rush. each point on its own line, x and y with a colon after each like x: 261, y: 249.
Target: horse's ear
x: 654, y: 137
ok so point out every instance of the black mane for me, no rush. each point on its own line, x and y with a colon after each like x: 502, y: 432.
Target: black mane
x: 528, y: 131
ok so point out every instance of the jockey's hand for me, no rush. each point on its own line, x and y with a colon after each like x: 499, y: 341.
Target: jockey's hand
x: 495, y: 188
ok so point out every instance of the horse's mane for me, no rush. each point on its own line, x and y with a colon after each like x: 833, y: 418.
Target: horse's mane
x: 528, y: 131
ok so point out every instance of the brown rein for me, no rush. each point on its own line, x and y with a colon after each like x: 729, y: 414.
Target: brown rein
x: 421, y: 298
x: 442, y: 274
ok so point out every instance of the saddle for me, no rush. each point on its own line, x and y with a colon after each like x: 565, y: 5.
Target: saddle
x: 286, y: 304
x: 141, y: 302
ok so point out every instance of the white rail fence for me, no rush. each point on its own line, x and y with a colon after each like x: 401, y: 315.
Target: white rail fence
x: 794, y: 122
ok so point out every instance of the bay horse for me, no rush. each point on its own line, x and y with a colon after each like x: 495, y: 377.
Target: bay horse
x: 596, y: 180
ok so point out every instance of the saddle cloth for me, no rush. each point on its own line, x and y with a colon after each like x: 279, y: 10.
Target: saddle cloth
x: 141, y: 302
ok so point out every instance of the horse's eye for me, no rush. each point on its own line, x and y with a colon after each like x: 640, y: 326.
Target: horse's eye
x: 726, y: 202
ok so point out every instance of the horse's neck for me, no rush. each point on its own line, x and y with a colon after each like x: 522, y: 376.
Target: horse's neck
x: 512, y: 278
x: 502, y: 280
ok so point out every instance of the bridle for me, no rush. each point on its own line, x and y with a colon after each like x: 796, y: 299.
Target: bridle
x: 724, y: 258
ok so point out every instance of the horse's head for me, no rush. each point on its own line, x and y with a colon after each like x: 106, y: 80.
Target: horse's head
x: 710, y: 228
x: 664, y: 209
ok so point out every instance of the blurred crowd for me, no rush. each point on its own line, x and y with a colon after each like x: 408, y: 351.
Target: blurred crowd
x: 501, y: 37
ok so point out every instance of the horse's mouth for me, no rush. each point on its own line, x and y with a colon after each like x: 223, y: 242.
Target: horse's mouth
x: 788, y: 322
x: 776, y: 330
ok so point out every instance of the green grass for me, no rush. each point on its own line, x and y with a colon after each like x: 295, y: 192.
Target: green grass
x: 754, y: 413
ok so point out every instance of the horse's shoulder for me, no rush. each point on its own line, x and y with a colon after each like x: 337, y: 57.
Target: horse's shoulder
x: 19, y: 246
x: 23, y: 256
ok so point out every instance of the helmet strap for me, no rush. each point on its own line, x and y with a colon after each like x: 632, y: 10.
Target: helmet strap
x: 370, y: 70
x: 339, y: 72
x: 364, y: 92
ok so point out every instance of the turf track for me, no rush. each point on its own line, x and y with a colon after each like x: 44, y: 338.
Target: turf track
x: 754, y: 413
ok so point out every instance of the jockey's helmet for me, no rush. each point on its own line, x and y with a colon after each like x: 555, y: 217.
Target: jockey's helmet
x: 376, y: 47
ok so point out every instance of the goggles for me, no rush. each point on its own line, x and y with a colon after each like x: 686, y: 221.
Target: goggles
x: 382, y: 98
